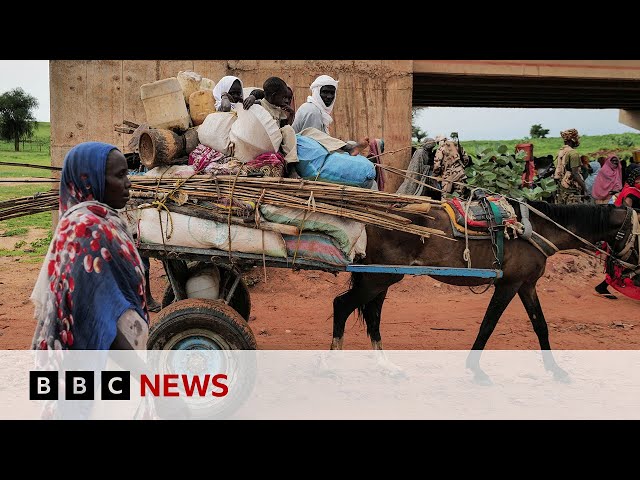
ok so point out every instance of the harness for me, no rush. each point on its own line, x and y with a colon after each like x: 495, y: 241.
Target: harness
x: 620, y: 274
x: 543, y: 245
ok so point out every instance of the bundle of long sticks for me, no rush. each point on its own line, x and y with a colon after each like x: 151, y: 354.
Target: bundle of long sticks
x: 364, y: 205
x: 20, y: 207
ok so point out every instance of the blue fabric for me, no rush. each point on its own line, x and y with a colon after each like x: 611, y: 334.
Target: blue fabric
x: 316, y: 163
x: 94, y: 270
x: 83, y: 173
x: 595, y: 166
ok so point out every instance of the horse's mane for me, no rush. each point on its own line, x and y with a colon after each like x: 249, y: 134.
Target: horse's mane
x: 594, y: 218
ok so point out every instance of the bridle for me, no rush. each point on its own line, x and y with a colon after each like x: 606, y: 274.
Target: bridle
x: 627, y: 239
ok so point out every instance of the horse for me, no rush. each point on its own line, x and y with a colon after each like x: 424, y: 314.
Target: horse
x: 522, y: 266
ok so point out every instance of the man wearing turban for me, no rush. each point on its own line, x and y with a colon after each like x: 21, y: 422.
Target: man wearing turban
x: 571, y: 182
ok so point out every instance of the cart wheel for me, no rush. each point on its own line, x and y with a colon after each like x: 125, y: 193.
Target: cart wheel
x: 241, y: 300
x: 197, y: 336
x: 200, y: 324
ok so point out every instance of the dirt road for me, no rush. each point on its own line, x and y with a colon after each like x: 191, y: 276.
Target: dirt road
x: 292, y: 310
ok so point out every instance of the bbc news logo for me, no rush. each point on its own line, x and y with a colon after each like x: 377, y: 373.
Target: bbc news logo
x: 116, y: 385
x: 79, y: 385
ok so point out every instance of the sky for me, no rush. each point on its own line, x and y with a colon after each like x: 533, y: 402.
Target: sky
x: 470, y: 123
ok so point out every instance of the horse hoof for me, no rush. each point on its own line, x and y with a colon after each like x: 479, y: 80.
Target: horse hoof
x: 392, y: 370
x: 323, y: 370
x: 481, y: 378
x: 561, y: 376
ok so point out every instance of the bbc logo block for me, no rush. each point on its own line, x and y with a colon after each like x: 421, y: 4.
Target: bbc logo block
x: 43, y: 385
x: 80, y: 385
x: 116, y: 385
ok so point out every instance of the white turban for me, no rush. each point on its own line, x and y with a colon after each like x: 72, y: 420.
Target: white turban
x: 316, y: 99
x: 223, y: 86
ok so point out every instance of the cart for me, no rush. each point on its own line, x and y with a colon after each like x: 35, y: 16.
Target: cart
x: 197, y: 323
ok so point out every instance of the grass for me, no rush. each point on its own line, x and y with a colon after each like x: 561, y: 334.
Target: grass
x: 30, y: 154
x: 32, y: 252
x: 590, y: 145
x: 42, y: 133
x: 21, y: 225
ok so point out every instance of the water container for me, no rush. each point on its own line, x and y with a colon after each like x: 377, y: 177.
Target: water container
x: 201, y: 104
x: 207, y: 84
x: 636, y: 156
x: 190, y: 82
x: 164, y: 104
x: 205, y: 284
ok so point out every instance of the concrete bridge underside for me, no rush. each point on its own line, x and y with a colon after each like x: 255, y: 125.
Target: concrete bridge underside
x: 530, y: 84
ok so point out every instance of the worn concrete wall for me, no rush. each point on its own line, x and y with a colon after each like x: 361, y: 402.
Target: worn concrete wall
x: 88, y: 98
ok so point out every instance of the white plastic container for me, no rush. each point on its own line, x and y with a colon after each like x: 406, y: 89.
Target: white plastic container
x: 190, y: 82
x: 205, y: 284
x: 201, y: 104
x: 164, y: 104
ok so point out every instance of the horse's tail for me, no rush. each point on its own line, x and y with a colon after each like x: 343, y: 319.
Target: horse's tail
x: 354, y: 283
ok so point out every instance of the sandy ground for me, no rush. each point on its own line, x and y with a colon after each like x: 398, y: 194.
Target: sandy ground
x: 293, y: 310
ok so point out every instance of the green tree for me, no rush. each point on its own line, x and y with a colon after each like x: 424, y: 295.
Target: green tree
x: 538, y: 132
x: 17, y: 121
x: 416, y: 131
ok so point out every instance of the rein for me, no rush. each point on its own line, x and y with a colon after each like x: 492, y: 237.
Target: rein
x: 626, y: 249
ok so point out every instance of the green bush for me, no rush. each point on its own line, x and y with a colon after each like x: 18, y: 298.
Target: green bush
x: 495, y: 171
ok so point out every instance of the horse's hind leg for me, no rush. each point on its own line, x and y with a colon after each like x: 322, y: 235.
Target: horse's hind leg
x: 502, y: 296
x: 364, y: 289
x: 531, y: 303
x: 344, y: 305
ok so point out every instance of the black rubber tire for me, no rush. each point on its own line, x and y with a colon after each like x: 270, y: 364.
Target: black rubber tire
x: 240, y: 302
x: 213, y: 319
x: 210, y: 318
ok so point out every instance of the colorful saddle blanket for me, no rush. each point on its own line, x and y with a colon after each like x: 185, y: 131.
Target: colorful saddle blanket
x: 479, y: 217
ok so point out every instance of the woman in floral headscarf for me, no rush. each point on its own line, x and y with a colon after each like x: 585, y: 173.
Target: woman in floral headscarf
x: 90, y: 294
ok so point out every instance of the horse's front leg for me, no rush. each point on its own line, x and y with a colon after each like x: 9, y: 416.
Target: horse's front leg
x: 502, y: 296
x: 531, y: 303
x: 372, y: 314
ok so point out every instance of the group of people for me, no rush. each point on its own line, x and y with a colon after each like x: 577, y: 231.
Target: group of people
x: 277, y: 98
x: 604, y: 181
